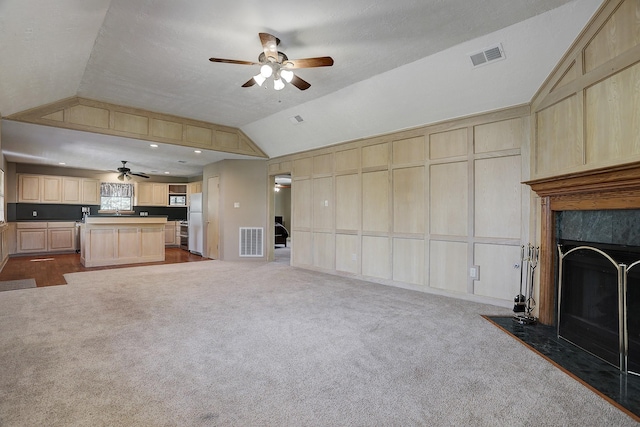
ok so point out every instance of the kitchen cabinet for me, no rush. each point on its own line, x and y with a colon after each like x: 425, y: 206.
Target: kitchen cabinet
x: 39, y: 189
x: 170, y: 233
x: 151, y: 194
x: 193, y: 187
x: 39, y: 236
x: 58, y: 189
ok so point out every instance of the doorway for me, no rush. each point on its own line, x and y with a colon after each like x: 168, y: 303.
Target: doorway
x: 282, y: 219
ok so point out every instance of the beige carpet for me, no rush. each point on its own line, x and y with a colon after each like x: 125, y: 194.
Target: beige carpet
x: 251, y: 344
x: 12, y: 285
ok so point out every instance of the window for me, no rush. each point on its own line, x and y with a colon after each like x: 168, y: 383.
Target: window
x: 116, y: 196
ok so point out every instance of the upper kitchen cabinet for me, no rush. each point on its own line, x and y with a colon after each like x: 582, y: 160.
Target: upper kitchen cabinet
x: 57, y: 189
x: 39, y: 189
x: 151, y: 194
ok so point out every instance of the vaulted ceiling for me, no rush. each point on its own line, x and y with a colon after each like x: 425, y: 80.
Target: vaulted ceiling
x: 398, y: 65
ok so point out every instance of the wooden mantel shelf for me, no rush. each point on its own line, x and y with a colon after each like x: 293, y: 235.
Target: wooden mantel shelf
x: 616, y: 187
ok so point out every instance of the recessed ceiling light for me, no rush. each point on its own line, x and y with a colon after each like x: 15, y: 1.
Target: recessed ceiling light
x: 167, y: 173
x: 62, y: 163
x: 197, y: 151
x: 153, y: 145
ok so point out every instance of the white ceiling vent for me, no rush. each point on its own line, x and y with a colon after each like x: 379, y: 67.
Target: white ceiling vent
x: 487, y: 55
x: 296, y: 119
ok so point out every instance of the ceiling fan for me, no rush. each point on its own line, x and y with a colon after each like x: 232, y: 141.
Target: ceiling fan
x: 126, y: 172
x: 277, y: 64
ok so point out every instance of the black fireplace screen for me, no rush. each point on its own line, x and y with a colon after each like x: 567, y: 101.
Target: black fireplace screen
x: 599, y: 301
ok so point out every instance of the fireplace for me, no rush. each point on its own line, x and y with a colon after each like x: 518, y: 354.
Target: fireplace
x: 597, y: 294
x: 606, y: 190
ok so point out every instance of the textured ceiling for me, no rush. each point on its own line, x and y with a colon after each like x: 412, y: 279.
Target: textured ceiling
x: 398, y: 64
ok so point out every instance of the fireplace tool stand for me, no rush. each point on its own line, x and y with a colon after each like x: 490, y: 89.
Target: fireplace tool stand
x: 524, y: 303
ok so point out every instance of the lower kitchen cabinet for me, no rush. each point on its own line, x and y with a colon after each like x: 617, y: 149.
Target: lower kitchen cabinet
x: 45, y: 237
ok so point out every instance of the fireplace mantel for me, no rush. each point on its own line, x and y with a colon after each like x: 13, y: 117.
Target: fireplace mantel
x: 616, y: 187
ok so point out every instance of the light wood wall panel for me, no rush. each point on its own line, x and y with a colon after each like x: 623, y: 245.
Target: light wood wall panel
x: 375, y: 201
x: 301, y: 203
x: 303, y: 254
x: 347, y: 160
x: 131, y: 123
x: 448, y: 266
x: 409, y: 200
x: 375, y: 155
x: 347, y: 254
x: 409, y: 261
x: 498, y: 197
x: 117, y: 120
x: 559, y: 136
x: 323, y: 164
x: 503, y: 135
x: 449, y: 197
x: 620, y: 33
x: 570, y: 75
x: 376, y: 257
x: 303, y: 167
x: 89, y: 116
x: 498, y: 277
x: 323, y: 203
x: 348, y: 202
x: 410, y: 150
x: 324, y: 251
x: 613, y: 117
x: 452, y: 143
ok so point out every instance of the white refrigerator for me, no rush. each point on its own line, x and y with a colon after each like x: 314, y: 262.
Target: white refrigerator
x: 196, y: 227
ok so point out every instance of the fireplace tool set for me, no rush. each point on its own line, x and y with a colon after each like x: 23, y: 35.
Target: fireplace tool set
x: 524, y: 302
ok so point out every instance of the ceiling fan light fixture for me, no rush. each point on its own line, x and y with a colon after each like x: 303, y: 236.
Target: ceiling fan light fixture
x: 259, y: 79
x: 287, y: 75
x: 121, y: 177
x: 278, y: 84
x: 266, y: 71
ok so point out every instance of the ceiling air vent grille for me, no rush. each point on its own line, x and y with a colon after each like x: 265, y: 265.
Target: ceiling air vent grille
x: 251, y: 241
x: 490, y: 54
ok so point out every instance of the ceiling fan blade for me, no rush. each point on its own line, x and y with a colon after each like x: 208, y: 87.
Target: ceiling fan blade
x: 322, y: 61
x: 249, y: 83
x: 299, y: 83
x: 270, y: 45
x: 138, y: 174
x: 233, y: 61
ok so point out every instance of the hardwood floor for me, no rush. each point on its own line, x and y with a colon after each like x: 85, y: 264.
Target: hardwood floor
x: 48, y: 270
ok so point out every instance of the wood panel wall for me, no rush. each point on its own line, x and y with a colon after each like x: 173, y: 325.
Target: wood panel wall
x: 585, y: 119
x: 417, y: 208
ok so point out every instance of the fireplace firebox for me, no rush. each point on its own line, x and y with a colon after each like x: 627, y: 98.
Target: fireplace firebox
x: 599, y: 301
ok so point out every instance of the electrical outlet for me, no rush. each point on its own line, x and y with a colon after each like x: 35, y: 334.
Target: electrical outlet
x: 35, y: 213
x: 474, y: 272
x: 354, y: 257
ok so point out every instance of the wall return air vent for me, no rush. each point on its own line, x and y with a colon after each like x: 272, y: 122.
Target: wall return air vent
x: 251, y: 241
x: 487, y: 55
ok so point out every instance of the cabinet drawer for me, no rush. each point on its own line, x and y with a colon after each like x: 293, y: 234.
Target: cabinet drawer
x: 31, y: 225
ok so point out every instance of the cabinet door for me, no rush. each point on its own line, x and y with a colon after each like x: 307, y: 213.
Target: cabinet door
x: 51, y: 189
x: 194, y: 187
x: 28, y: 188
x: 71, y: 190
x: 170, y: 233
x: 61, y: 239
x: 160, y: 194
x: 90, y: 191
x: 144, y: 194
x: 32, y: 240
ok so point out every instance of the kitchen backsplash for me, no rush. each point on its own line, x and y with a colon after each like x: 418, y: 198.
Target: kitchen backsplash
x: 65, y: 212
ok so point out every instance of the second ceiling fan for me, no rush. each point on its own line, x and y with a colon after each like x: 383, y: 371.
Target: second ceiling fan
x: 277, y: 64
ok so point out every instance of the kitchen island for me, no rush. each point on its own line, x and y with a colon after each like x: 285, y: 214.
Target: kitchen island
x: 121, y: 239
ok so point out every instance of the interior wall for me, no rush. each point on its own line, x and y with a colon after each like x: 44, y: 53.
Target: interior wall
x: 418, y: 208
x: 585, y: 118
x: 242, y: 203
